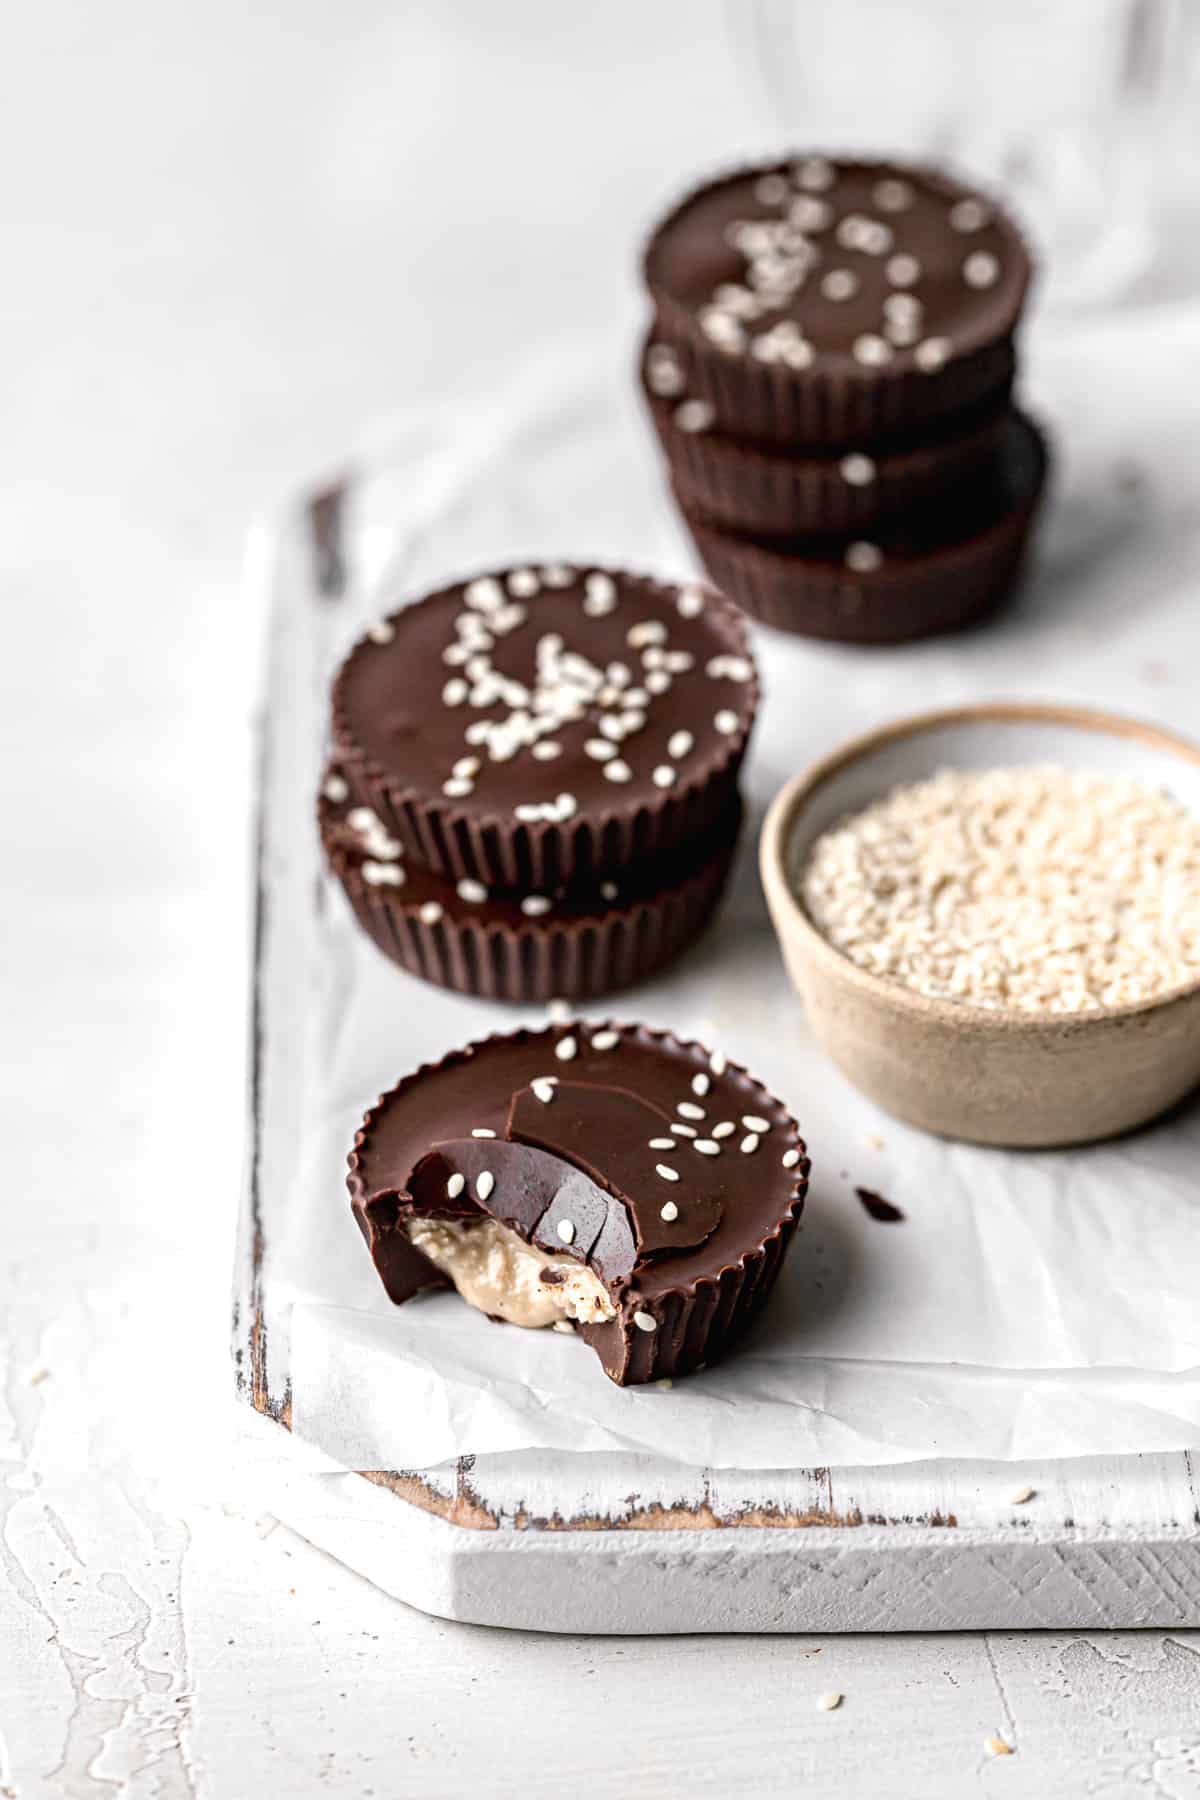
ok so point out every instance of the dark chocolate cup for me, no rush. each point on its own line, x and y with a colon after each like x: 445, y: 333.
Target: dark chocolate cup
x: 919, y: 592
x: 504, y: 852
x: 493, y: 951
x: 773, y: 493
x: 698, y: 1320
x: 836, y: 402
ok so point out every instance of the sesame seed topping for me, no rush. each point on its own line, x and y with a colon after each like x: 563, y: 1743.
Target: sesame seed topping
x: 717, y: 1062
x: 606, y: 1040
x: 664, y: 776
x: 336, y: 788
x: 546, y: 751
x: 700, y: 1085
x: 815, y: 174
x: 679, y: 743
x: 863, y: 557
x: 455, y: 691
x: 381, y: 632
x: 557, y: 575
x: 663, y: 372
x: 749, y: 1143
x: 618, y: 770
x: 752, y: 1122
x: 663, y: 1144
x: 686, y: 1131
x: 383, y: 874
x: 857, y: 470
x: 669, y: 1212
x: 484, y: 593
x: 980, y: 269
x: 807, y: 213
x: 790, y: 1158
x: 725, y: 1129
x: 473, y: 892
x: 523, y: 583
x: 432, y: 912
x: 565, y: 1049
x: 690, y: 603
x: 645, y: 1321
x: 566, y: 1231
x: 600, y: 749
x: 646, y: 631
x: 457, y: 789
x: 666, y: 1171
x: 558, y: 1010
x: 996, y: 1746
x: 535, y: 905
x: 872, y: 351
x: 772, y: 190
x: 687, y: 1109
x: 839, y: 284
x: 968, y: 215
x: 455, y: 1186
x: 609, y: 890
x: 892, y: 195
x: 694, y: 416
x: 543, y: 1090
x: 902, y: 270
x: 482, y: 1131
x: 931, y: 353
x: 600, y: 586
x: 726, y: 722
x: 706, y: 1147
x: 485, y: 1182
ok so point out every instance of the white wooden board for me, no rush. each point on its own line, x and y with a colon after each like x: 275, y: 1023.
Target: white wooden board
x: 604, y: 1544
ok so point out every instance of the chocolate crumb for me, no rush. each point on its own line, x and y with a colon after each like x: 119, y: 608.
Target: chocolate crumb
x: 878, y: 1208
x: 552, y: 1277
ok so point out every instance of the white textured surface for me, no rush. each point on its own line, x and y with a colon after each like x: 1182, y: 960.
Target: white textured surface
x: 207, y: 285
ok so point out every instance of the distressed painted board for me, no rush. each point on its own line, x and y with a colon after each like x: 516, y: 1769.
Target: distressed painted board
x: 577, y: 1543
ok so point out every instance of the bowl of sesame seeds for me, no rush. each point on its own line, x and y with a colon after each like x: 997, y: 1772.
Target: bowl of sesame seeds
x: 992, y: 915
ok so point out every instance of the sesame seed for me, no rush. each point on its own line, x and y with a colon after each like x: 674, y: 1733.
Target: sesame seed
x: 690, y: 603
x: 664, y: 776
x: 663, y: 1144
x: 482, y: 1131
x: 543, y: 1090
x: 600, y: 749
x: 863, y: 557
x: 749, y: 1143
x: 431, y: 913
x: 872, y: 351
x: 968, y: 215
x: 815, y: 174
x: 669, y: 1212
x: 466, y: 766
x: 455, y: 691
x: 664, y: 376
x: 693, y: 416
x: 726, y: 722
x: 902, y: 270
x: 996, y: 1746
x: 706, y: 1147
x: 523, y: 583
x: 857, y: 470
x: 606, y: 1040
x: 546, y: 751
x: 484, y: 592
x: 688, y: 1109
x: 646, y: 631
x: 666, y: 1171
x: 456, y: 789
x: 772, y: 190
x: 609, y: 890
x: 790, y: 1158
x: 679, y: 743
x: 829, y: 1702
x: 645, y: 1321
x: 892, y: 195
x: 565, y: 1049
x: 381, y: 632
x: 361, y: 818
x: 473, y: 892
x: 1022, y: 1497
x: 618, y: 770
x: 379, y: 874
x: 557, y: 575
x: 657, y: 681
x: 839, y: 284
x: 685, y: 1131
x: 752, y: 1122
x: 336, y: 789
x: 717, y: 1062
x: 534, y: 905
x: 484, y: 1184
x: 931, y: 353
x: 981, y: 269
x: 725, y: 1129
x: 807, y: 213
x: 566, y: 1231
x: 700, y: 1085
x: 601, y: 587
x: 455, y: 1186
x: 558, y: 1010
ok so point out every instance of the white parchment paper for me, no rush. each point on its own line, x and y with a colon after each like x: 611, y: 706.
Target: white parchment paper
x: 1030, y: 1305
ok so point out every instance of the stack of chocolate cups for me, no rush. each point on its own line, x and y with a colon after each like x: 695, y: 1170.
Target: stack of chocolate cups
x: 533, y: 784
x: 829, y: 372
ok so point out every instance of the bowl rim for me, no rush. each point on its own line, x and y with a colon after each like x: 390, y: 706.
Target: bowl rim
x: 800, y: 788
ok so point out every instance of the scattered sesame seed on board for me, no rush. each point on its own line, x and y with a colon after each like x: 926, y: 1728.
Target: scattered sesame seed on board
x: 1022, y: 1497
x: 997, y: 1746
x: 829, y: 1702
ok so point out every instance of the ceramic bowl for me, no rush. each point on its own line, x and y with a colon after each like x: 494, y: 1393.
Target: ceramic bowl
x: 1009, y: 1078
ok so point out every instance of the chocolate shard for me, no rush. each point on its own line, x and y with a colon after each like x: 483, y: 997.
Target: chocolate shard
x: 606, y: 1132
x: 545, y: 1199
